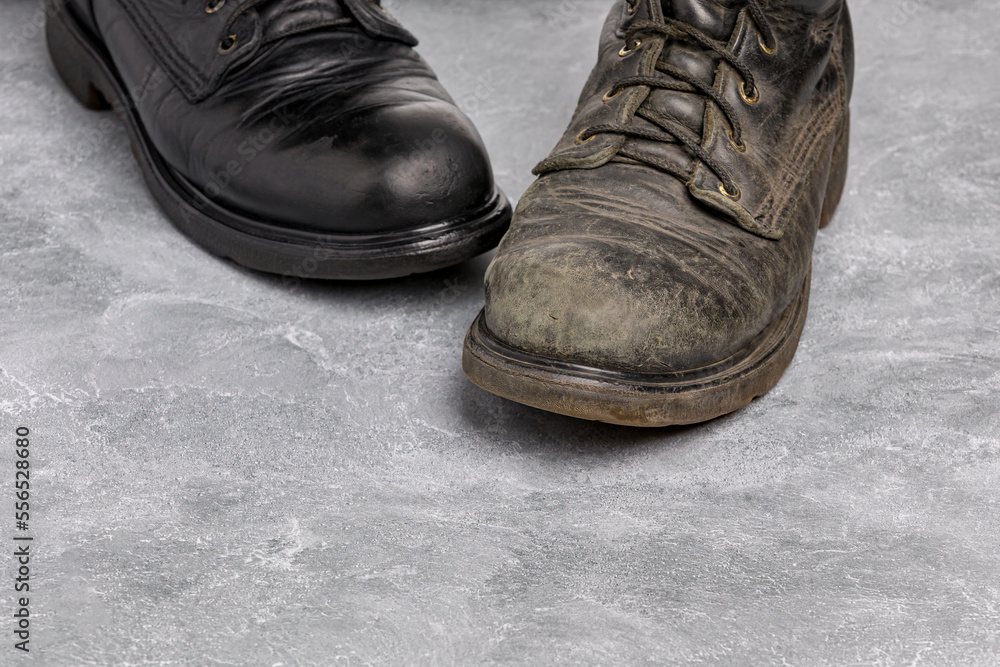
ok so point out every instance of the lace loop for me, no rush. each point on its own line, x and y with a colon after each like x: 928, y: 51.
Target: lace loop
x: 674, y: 130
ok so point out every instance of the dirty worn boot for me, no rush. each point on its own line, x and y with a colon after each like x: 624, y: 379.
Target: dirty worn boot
x: 657, y: 272
x: 301, y: 137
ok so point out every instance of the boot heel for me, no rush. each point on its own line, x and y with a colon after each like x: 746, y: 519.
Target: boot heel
x: 838, y: 175
x: 75, y: 66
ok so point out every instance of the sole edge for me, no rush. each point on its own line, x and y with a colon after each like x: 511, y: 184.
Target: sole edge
x: 629, y: 400
x: 85, y: 71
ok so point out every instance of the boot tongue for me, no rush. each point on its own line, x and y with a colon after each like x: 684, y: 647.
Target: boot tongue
x: 716, y: 18
x: 282, y: 18
x: 285, y: 17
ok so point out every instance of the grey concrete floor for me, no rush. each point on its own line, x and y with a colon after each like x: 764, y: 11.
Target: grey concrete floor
x: 230, y: 472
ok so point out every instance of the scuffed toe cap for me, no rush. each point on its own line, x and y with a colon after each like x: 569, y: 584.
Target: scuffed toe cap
x: 601, y: 304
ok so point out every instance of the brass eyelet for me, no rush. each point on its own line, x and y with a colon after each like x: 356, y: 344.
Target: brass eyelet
x: 214, y: 6
x: 632, y: 6
x: 580, y: 140
x: 746, y: 98
x: 769, y: 50
x: 738, y: 145
x: 611, y: 94
x: 228, y: 44
x: 626, y: 50
x: 734, y: 196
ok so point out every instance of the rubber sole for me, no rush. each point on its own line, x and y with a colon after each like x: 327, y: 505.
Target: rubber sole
x: 643, y: 399
x: 90, y: 75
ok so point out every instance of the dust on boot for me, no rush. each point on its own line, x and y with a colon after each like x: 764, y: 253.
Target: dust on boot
x: 658, y: 270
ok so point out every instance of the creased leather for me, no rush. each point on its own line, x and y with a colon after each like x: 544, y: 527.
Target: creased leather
x: 283, y: 18
x: 325, y: 129
x: 785, y: 79
x: 612, y: 263
x: 378, y: 22
x: 185, y: 39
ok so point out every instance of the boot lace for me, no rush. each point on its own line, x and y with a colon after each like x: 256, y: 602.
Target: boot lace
x: 673, y: 129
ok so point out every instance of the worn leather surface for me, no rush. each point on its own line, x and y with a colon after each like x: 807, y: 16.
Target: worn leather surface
x: 320, y: 116
x: 615, y: 262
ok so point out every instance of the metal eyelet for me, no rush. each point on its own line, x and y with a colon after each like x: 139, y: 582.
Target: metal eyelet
x: 228, y: 44
x: 738, y: 145
x: 734, y: 196
x: 633, y: 6
x: 626, y: 50
x: 769, y: 50
x: 746, y: 98
x: 611, y: 94
x: 214, y: 6
x: 580, y: 140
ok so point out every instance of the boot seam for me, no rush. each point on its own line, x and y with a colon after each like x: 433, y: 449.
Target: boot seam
x: 784, y: 200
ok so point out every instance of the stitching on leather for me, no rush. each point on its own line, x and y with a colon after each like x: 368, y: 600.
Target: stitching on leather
x: 309, y: 24
x: 312, y: 5
x: 714, y: 133
x: 162, y: 49
x: 151, y: 26
x: 812, y: 136
x: 821, y: 125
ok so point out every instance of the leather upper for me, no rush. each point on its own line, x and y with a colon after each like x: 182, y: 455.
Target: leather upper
x: 311, y: 114
x: 615, y: 261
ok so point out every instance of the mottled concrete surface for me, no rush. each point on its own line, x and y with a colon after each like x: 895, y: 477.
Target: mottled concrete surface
x: 227, y: 472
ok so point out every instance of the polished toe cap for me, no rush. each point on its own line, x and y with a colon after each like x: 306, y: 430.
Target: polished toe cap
x: 322, y: 137
x: 378, y: 170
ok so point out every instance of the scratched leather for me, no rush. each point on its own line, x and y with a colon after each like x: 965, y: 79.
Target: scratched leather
x: 611, y: 262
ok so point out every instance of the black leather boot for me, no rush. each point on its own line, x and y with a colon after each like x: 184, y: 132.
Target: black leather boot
x: 302, y: 137
x: 657, y: 272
